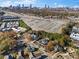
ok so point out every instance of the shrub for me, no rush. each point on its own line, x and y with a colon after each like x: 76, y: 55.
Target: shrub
x: 68, y: 28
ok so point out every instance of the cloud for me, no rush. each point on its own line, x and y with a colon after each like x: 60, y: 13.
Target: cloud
x: 59, y: 5
x: 25, y: 1
x: 76, y: 6
x: 16, y: 2
x: 6, y: 3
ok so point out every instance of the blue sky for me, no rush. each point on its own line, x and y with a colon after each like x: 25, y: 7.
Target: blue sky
x: 41, y: 3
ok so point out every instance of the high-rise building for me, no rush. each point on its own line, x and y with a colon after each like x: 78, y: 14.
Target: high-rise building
x: 48, y: 7
x: 19, y: 5
x: 30, y: 6
x: 45, y: 6
x: 23, y: 6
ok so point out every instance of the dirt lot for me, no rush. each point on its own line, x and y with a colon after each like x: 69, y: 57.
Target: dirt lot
x: 38, y: 23
x: 47, y: 25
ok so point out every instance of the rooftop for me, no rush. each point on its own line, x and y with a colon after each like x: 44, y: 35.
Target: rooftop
x: 10, y: 17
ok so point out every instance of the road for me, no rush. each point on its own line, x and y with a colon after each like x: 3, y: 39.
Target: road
x: 38, y: 23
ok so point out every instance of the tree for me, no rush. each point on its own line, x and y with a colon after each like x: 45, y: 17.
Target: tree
x: 66, y: 30
x: 2, y: 13
x: 7, y: 41
x: 50, y: 46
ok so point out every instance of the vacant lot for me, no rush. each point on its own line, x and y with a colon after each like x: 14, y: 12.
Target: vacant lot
x: 38, y: 23
x: 48, y: 25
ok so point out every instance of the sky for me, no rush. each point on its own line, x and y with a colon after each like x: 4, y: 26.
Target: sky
x: 41, y: 3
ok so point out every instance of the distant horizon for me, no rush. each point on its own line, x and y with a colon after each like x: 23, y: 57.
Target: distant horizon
x: 41, y: 3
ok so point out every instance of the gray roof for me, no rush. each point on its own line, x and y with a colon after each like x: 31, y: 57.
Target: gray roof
x: 8, y: 18
x: 44, y: 41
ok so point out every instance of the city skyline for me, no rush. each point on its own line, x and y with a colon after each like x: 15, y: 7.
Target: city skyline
x: 41, y: 3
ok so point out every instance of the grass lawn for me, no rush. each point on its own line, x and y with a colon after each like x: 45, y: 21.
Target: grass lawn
x: 1, y: 57
x: 22, y: 24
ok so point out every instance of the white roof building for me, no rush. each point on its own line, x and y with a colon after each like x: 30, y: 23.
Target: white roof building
x: 19, y: 56
x: 8, y: 57
x: 74, y: 36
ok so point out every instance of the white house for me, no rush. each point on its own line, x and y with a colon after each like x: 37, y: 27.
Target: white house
x: 74, y: 36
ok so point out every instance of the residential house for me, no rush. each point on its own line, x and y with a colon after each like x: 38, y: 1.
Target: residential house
x: 31, y: 48
x: 44, y: 41
x: 75, y: 33
x: 19, y: 56
x: 8, y: 57
x: 75, y: 36
x: 75, y: 29
x: 34, y: 36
